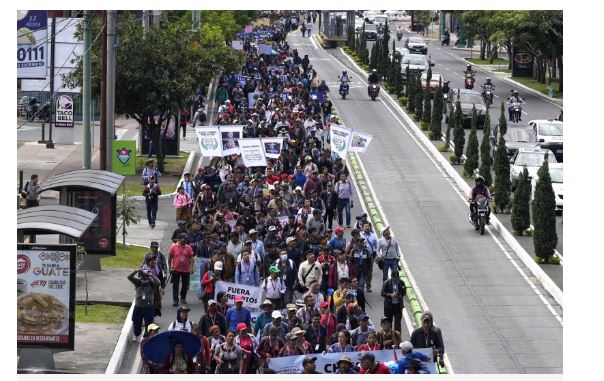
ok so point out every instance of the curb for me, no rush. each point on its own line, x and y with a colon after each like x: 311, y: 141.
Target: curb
x: 115, y: 363
x: 547, y: 283
x: 187, y: 168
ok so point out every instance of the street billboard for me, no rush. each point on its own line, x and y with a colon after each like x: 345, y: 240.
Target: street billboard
x: 64, y: 111
x: 32, y: 46
x: 522, y: 65
x: 123, y: 153
x: 100, y: 237
x: 46, y: 295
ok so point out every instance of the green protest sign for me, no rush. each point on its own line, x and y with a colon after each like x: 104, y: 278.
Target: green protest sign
x: 124, y: 157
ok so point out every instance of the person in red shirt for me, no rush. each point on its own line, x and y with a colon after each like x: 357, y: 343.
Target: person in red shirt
x: 328, y: 319
x: 370, y: 366
x: 370, y: 345
x: 180, y: 262
x: 204, y: 357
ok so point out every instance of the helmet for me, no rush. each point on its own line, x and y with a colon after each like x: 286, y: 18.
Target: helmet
x: 344, y: 72
x: 514, y: 92
x: 468, y: 66
x: 479, y: 179
x: 374, y: 71
x: 488, y: 79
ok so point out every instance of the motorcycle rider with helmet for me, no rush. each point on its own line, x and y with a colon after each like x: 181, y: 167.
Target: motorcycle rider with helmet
x: 479, y: 190
x: 374, y: 77
x: 486, y: 85
x: 344, y: 78
x: 514, y: 98
x: 399, y: 32
x: 469, y: 70
x: 446, y: 37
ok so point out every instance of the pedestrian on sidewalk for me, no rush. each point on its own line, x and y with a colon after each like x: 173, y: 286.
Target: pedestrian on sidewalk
x: 308, y: 29
x: 145, y: 284
x: 180, y: 261
x: 182, y: 203
x: 160, y: 260
x: 388, y: 253
x: 150, y: 170
x: 150, y: 264
x: 151, y: 191
x: 184, y: 117
x: 31, y: 192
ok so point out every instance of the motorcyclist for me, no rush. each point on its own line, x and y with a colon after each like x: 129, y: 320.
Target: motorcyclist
x: 374, y: 77
x: 469, y: 70
x: 514, y: 98
x: 488, y: 85
x: 446, y: 87
x: 479, y: 190
x: 446, y: 37
x: 344, y: 78
x: 399, y: 32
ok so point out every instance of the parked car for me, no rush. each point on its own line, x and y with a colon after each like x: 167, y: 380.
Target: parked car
x: 399, y: 52
x: 532, y: 158
x: 555, y: 172
x: 549, y: 135
x: 416, y: 45
x: 515, y: 138
x: 416, y: 63
x: 371, y: 32
x: 468, y: 98
x: 435, y: 80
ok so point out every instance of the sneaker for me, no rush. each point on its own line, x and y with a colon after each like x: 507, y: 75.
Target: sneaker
x: 135, y: 339
x: 175, y: 303
x: 152, y: 226
x: 368, y: 288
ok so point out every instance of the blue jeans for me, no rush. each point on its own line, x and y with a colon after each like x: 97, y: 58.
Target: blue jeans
x: 344, y: 203
x: 138, y: 314
x: 391, y: 264
x: 151, y: 212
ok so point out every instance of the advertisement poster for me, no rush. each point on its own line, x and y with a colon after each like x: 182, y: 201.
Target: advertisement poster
x: 209, y: 140
x: 46, y: 295
x: 340, y: 140
x: 64, y: 112
x: 523, y: 63
x: 359, y: 142
x: 272, y: 147
x: 32, y: 46
x: 124, y: 157
x: 100, y: 237
x: 252, y: 152
x: 327, y: 363
x: 230, y: 136
x: 252, y: 296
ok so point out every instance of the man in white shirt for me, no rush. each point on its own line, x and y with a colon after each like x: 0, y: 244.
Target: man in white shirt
x: 388, y: 252
x: 309, y: 271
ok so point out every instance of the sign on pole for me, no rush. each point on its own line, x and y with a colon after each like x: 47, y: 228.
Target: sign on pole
x: 46, y: 295
x: 340, y: 140
x: 64, y: 111
x: 252, y: 152
x: 230, y: 136
x: 360, y: 141
x: 124, y: 157
x: 272, y: 147
x: 209, y: 141
x: 32, y: 46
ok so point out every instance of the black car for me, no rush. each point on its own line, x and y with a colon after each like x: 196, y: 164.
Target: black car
x: 416, y: 45
x: 371, y: 32
x: 468, y: 98
x: 516, y: 137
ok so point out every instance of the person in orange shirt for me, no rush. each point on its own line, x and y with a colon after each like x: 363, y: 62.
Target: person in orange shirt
x: 180, y: 262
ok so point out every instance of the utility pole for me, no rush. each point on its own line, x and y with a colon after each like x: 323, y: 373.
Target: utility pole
x: 110, y: 105
x: 86, y: 90
x: 53, y: 29
x: 146, y: 20
x: 103, y: 131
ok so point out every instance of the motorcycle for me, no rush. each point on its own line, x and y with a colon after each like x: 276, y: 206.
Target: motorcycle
x: 399, y: 36
x: 35, y: 110
x: 479, y: 217
x: 446, y: 102
x: 469, y: 81
x: 374, y: 90
x: 446, y: 41
x: 516, y: 112
x: 344, y: 88
x: 487, y: 95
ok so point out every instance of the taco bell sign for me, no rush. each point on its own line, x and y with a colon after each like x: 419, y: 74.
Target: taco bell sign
x: 64, y: 112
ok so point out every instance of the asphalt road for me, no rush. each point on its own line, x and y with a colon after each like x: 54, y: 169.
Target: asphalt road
x: 492, y: 319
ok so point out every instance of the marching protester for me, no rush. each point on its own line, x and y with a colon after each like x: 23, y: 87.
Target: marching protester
x: 144, y: 302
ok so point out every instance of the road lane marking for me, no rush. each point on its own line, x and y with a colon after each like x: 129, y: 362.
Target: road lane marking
x: 462, y: 196
x: 314, y: 43
x: 447, y: 69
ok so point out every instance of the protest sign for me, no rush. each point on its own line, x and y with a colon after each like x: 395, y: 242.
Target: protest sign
x: 360, y: 141
x: 230, y: 136
x: 252, y: 296
x: 252, y: 152
x: 237, y: 45
x: 272, y: 147
x: 209, y: 141
x: 340, y: 140
x: 264, y: 49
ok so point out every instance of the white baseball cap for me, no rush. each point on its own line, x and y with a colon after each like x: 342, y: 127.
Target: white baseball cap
x: 218, y: 266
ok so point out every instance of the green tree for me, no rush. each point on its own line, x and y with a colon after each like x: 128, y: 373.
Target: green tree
x: 450, y: 126
x: 374, y: 55
x: 158, y: 69
x: 419, y: 99
x: 471, y: 163
x: 521, y: 217
x: 503, y: 124
x: 428, y: 98
x: 545, y: 238
x: 459, y: 134
x: 437, y: 115
x: 411, y: 88
x: 408, y: 82
x: 502, y: 175
x: 486, y: 160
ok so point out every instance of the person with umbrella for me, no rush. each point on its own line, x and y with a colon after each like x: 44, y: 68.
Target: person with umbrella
x: 148, y: 367
x: 178, y: 362
x: 229, y: 356
x: 248, y: 345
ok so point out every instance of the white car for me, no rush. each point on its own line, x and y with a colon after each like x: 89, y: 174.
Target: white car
x: 380, y: 19
x: 532, y: 158
x: 370, y: 15
x: 555, y: 172
x: 549, y: 135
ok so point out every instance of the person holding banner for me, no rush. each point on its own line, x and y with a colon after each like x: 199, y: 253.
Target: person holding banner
x: 387, y: 337
x: 291, y: 348
x: 248, y: 345
x: 229, y: 356
x: 269, y: 347
x: 370, y: 366
x: 343, y: 343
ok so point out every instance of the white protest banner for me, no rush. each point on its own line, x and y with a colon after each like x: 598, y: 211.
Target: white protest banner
x: 252, y: 296
x: 340, y: 139
x: 251, y: 98
x: 209, y: 141
x: 237, y: 45
x: 327, y: 363
x: 230, y: 136
x: 272, y: 147
x: 252, y: 152
x: 359, y: 142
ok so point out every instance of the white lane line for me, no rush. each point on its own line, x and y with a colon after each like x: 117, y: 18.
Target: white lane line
x: 447, y: 69
x: 462, y: 196
x: 524, y: 113
x: 314, y: 43
x: 455, y: 73
x: 495, y: 95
